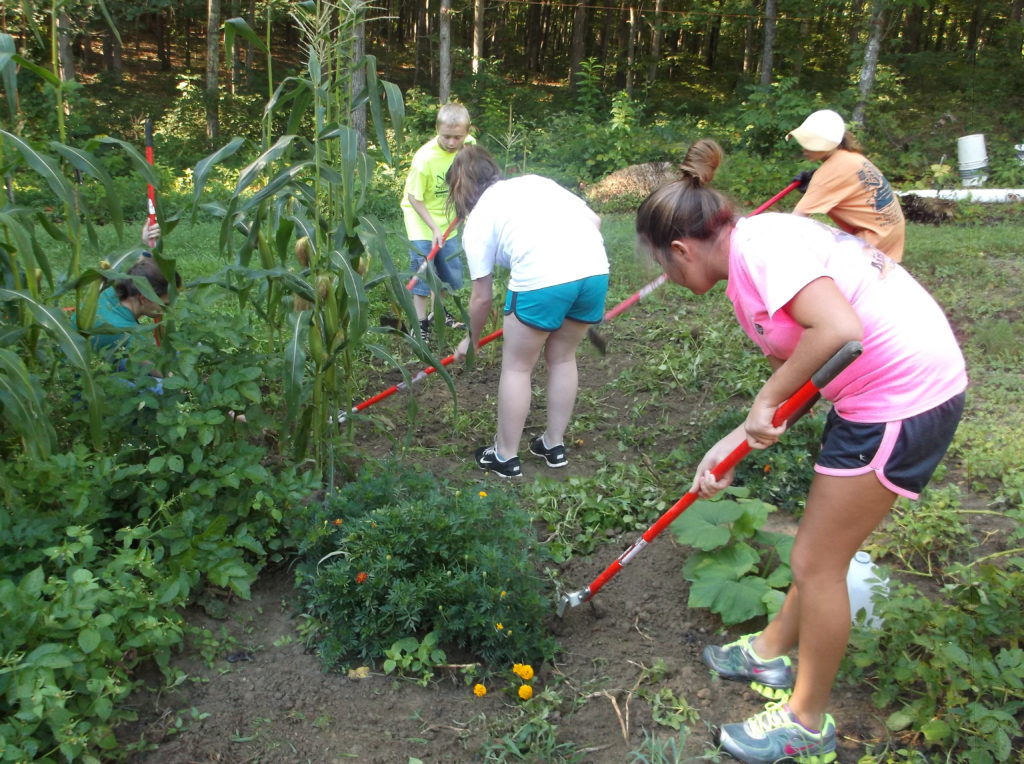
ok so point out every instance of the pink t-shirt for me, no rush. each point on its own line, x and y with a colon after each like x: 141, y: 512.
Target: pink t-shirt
x: 911, y: 361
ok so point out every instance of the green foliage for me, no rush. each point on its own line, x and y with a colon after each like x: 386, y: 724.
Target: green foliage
x: 767, y: 113
x: 926, y: 535
x: 740, y: 570
x: 949, y: 663
x: 412, y: 657
x: 580, y: 512
x: 409, y: 557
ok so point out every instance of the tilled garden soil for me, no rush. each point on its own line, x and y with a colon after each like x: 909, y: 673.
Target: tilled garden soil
x: 255, y: 694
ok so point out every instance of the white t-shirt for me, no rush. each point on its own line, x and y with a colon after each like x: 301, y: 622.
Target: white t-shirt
x: 542, y: 233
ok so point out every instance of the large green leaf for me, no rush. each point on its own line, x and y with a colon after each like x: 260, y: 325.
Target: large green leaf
x: 22, y: 406
x: 239, y: 26
x: 139, y: 163
x: 705, y: 525
x: 295, y: 361
x: 88, y: 164
x: 734, y: 601
x: 44, y: 74
x: 45, y: 166
x: 203, y: 167
x: 9, y: 74
x: 727, y: 564
x: 256, y: 168
x: 74, y: 349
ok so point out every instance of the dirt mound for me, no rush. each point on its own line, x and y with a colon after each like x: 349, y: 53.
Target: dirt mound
x: 919, y: 209
x: 631, y: 184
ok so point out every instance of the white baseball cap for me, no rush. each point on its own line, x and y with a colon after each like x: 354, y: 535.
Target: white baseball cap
x: 821, y: 131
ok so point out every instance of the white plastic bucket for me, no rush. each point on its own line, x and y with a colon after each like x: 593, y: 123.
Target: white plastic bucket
x: 863, y: 581
x: 972, y: 159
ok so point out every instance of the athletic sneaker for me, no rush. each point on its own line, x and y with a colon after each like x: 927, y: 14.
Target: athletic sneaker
x: 554, y: 456
x: 737, y: 660
x: 775, y: 735
x: 487, y: 459
x: 452, y: 322
x: 425, y: 329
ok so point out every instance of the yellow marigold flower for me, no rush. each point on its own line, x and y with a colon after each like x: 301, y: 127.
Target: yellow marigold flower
x: 483, y: 494
x: 525, y: 692
x: 499, y: 626
x: 479, y: 690
x: 503, y: 593
x: 524, y: 671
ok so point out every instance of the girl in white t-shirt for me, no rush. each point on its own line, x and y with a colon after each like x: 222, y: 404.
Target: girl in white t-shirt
x: 550, y: 242
x: 801, y: 290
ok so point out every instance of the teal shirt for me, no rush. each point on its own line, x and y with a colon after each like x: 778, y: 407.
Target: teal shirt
x: 110, y: 313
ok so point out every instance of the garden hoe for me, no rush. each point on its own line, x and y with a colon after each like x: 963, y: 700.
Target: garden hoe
x: 598, y: 340
x: 795, y: 407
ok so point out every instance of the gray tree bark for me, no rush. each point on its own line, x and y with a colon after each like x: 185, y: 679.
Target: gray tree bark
x: 444, y: 84
x: 478, y: 33
x: 768, y: 49
x: 212, y: 66
x: 870, y: 65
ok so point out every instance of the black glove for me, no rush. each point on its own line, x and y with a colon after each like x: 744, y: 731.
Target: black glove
x: 803, y: 178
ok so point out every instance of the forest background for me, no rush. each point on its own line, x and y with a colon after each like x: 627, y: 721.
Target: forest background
x: 278, y: 122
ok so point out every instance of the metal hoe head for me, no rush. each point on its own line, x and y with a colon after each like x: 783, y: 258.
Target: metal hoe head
x: 572, y: 599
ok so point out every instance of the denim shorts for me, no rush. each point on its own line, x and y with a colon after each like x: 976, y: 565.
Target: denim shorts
x: 546, y: 309
x: 903, y: 453
x: 447, y: 264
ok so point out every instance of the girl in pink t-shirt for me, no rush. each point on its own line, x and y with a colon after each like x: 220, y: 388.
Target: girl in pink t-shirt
x: 801, y: 290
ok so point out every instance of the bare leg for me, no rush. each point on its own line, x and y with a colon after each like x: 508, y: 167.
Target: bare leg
x: 563, y: 379
x: 520, y: 352
x: 840, y: 513
x: 421, y: 302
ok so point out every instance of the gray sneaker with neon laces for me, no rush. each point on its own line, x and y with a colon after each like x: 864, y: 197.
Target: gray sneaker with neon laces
x: 772, y: 678
x: 774, y: 735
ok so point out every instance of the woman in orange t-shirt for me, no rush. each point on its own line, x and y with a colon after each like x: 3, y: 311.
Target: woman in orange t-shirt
x: 847, y: 187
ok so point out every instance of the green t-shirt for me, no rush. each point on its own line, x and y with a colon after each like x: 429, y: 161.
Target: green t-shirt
x: 426, y: 182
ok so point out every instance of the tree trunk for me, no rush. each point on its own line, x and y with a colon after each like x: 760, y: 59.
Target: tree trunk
x: 768, y: 49
x: 867, y: 70
x: 533, y: 37
x: 478, y: 33
x: 250, y: 49
x: 444, y: 84
x: 712, y: 34
x: 652, y: 67
x: 577, y: 50
x: 422, y: 53
x: 748, y: 46
x: 974, y: 32
x: 631, y: 49
x: 65, y: 58
x: 212, y: 65
x: 1016, y: 40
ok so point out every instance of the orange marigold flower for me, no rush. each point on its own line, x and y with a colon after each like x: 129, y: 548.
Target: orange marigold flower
x: 524, y: 671
x: 338, y: 521
x: 479, y: 690
x: 767, y: 468
x: 525, y: 692
x: 361, y: 577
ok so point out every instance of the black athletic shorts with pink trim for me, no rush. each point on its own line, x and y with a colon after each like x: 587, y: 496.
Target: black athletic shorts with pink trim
x: 903, y: 454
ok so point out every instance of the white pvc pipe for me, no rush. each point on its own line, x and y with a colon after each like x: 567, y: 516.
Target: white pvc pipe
x: 994, y: 195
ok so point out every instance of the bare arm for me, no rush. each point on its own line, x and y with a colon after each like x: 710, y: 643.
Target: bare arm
x: 423, y: 212
x: 480, y: 299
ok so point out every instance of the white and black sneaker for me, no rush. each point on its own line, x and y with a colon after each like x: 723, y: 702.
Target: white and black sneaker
x: 487, y: 459
x: 425, y: 329
x: 452, y: 322
x: 554, y: 456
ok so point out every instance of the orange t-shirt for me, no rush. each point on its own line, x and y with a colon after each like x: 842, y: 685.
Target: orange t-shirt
x: 858, y: 198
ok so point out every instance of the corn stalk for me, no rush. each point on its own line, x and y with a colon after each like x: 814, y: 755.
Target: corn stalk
x: 295, y: 230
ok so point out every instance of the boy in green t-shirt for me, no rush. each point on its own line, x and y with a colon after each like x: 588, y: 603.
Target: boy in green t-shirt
x: 424, y: 207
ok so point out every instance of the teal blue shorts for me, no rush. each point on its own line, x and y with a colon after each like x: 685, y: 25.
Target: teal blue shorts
x: 546, y: 309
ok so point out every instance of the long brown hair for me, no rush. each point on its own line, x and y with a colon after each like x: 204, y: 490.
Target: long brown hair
x: 686, y: 208
x: 472, y: 173
x: 850, y: 143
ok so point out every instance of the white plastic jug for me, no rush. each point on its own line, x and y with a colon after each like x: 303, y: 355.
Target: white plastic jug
x: 863, y: 582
